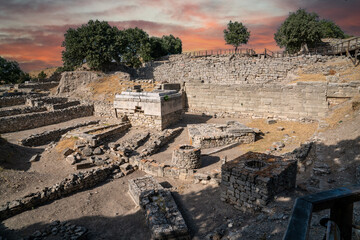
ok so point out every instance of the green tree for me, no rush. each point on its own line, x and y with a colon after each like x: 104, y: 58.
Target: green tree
x: 10, y: 71
x: 164, y: 46
x: 330, y: 30
x: 135, y: 47
x: 299, y: 29
x: 171, y: 45
x: 236, y: 34
x: 157, y: 49
x: 99, y: 44
x: 42, y: 75
x: 93, y: 42
x: 24, y: 77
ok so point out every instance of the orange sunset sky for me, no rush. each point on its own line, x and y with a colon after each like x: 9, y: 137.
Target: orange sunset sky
x: 31, y: 31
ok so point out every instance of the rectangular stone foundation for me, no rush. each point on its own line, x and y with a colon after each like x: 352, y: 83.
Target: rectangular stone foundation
x: 157, y: 109
x: 252, y: 180
x: 217, y: 135
x: 162, y: 215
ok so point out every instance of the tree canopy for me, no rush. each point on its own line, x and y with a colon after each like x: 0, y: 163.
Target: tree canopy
x: 236, y: 34
x: 92, y: 42
x: 305, y: 29
x: 330, y: 30
x: 10, y: 72
x: 99, y: 44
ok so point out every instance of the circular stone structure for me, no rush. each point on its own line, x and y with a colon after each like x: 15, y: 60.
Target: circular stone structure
x: 186, y: 157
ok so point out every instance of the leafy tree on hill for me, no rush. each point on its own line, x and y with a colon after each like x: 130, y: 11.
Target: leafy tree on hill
x: 137, y: 47
x: 10, y: 72
x: 303, y: 29
x: 330, y: 30
x: 236, y: 34
x: 299, y: 29
x: 165, y: 46
x: 92, y: 42
x: 171, y: 45
x: 157, y: 49
x: 99, y: 44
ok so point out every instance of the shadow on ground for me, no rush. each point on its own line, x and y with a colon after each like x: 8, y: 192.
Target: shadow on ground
x: 203, y: 210
x: 16, y: 157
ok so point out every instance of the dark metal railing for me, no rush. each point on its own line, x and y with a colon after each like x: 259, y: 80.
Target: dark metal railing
x: 340, y: 201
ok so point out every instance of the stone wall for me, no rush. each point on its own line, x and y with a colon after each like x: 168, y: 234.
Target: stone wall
x: 227, y: 69
x: 343, y: 90
x: 34, y: 120
x: 40, y: 85
x: 58, y: 106
x: 303, y: 100
x: 40, y: 101
x: 71, y: 184
x: 217, y: 135
x: 103, y: 109
x: 252, y: 180
x: 53, y: 135
x: 307, y: 100
x: 12, y: 101
x: 162, y: 215
x: 21, y: 110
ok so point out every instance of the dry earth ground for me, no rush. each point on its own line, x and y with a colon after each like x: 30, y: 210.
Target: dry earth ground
x: 109, y: 213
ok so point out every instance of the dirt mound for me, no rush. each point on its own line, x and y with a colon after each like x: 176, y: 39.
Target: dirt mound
x: 96, y: 86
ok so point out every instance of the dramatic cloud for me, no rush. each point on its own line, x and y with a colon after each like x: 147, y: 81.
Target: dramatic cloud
x: 31, y: 31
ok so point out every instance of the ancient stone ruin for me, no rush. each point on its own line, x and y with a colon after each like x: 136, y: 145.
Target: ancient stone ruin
x: 179, y: 130
x: 252, y: 180
x: 151, y: 109
x: 186, y: 156
x: 161, y: 212
x: 216, y: 135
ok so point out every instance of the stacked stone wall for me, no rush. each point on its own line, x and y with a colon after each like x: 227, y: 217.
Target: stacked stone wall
x: 295, y: 101
x: 40, y: 86
x: 227, y: 69
x: 304, y: 100
x: 12, y: 101
x: 21, y: 110
x: 58, y: 106
x: 34, y: 120
x: 71, y: 184
x: 54, y: 135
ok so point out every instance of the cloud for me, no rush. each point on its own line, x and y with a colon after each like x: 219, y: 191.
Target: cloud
x: 32, y: 30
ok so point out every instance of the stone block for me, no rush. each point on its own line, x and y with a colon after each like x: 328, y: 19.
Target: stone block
x: 257, y: 178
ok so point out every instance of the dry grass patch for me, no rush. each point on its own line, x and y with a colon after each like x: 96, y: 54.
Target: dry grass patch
x: 303, y: 77
x: 66, y: 143
x: 106, y: 87
x: 351, y: 74
x: 342, y: 112
x: 298, y: 133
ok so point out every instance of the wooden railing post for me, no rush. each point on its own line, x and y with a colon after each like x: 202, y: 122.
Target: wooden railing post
x: 342, y: 215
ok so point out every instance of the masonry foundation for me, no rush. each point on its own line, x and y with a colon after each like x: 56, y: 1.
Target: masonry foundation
x: 252, y: 180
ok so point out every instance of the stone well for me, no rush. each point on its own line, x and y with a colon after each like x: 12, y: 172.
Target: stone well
x: 250, y: 181
x: 186, y: 157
